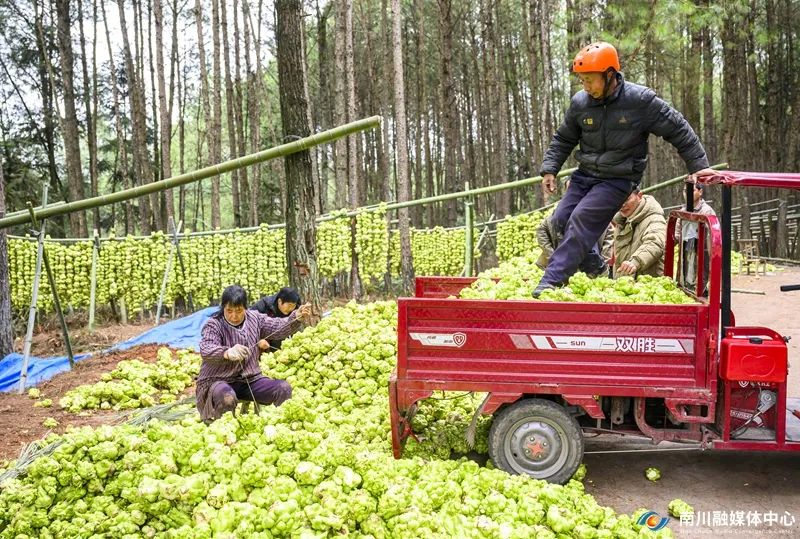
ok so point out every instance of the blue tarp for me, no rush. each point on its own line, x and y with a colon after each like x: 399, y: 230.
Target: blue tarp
x: 181, y: 333
x: 39, y: 369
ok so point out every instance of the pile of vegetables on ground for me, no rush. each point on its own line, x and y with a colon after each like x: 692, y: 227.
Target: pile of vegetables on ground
x: 136, y: 384
x: 318, y: 466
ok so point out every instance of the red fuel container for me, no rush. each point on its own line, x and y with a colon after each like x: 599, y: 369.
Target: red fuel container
x: 751, y: 354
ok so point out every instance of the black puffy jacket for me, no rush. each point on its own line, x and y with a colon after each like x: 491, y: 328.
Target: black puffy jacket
x: 268, y: 305
x: 613, y: 133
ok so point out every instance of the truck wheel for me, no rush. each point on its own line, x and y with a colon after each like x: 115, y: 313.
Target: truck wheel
x: 536, y: 437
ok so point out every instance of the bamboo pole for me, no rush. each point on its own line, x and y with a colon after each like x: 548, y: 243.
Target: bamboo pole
x: 468, y: 237
x: 164, y: 281
x: 387, y: 207
x: 207, y: 172
x: 54, y: 290
x: 93, y: 289
x: 37, y: 275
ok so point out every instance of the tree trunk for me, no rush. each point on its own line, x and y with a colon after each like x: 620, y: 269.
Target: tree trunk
x: 498, y: 109
x: 383, y: 140
x: 6, y: 323
x: 356, y: 196
x: 781, y: 233
x: 420, y: 108
x: 180, y: 80
x: 241, y: 141
x: 452, y: 144
x: 215, y: 139
x: 88, y: 97
x: 157, y: 200
x: 301, y: 190
x: 141, y: 165
x: 547, y: 120
x: 229, y: 113
x: 579, y: 13
x: 121, y: 168
x: 692, y: 75
x: 346, y: 175
x: 165, y: 109
x: 323, y: 109
x: 403, y: 186
x: 709, y: 124
x: 71, y: 135
x: 203, y: 135
x: 734, y: 92
x: 46, y: 85
x: 339, y: 105
x: 253, y: 111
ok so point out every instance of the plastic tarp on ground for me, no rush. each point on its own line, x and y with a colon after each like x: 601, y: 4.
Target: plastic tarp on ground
x: 181, y: 333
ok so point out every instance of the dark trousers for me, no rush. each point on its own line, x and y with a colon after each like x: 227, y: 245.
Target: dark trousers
x: 690, y: 265
x: 584, y: 215
x: 225, y: 396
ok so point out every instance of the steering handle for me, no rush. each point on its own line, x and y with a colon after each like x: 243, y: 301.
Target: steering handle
x: 790, y: 287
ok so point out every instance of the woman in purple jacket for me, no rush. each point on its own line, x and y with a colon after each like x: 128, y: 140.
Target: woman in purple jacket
x: 230, y: 345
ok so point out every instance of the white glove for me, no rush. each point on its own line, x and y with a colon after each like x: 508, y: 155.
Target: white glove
x: 237, y: 352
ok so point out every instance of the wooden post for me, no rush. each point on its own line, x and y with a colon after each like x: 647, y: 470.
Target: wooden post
x: 93, y: 289
x: 26, y: 347
x: 468, y: 238
x: 173, y: 245
x: 781, y: 233
x: 56, y: 300
x: 746, y: 233
x: 176, y: 239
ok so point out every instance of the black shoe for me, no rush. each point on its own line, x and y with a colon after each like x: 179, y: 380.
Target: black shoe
x: 541, y: 287
x: 602, y: 272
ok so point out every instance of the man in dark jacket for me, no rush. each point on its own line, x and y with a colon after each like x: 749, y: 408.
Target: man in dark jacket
x: 610, y: 120
x: 278, y: 305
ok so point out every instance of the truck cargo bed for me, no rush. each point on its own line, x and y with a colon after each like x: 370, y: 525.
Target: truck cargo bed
x: 595, y: 345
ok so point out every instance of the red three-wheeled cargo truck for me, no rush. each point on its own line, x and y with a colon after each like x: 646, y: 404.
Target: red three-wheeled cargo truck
x: 555, y: 370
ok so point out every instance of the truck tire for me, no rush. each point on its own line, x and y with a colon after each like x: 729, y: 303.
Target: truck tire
x: 536, y: 437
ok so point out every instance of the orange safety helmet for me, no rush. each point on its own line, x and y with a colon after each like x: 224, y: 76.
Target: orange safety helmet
x: 598, y: 57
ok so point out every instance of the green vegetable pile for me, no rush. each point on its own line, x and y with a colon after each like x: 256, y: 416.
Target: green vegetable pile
x: 136, y: 384
x: 516, y: 235
x: 318, y: 466
x: 442, y: 422
x: 372, y: 243
x: 736, y: 259
x: 131, y: 270
x: 519, y: 276
x: 333, y: 246
x: 435, y: 251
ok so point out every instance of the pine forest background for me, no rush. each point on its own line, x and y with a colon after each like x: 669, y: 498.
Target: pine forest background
x: 101, y: 96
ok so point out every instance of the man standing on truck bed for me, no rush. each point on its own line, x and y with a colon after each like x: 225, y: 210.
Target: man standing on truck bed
x: 611, y: 119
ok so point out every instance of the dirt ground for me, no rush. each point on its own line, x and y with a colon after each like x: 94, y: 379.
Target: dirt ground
x: 21, y: 421
x: 48, y: 339
x: 776, y: 310
x: 714, y: 481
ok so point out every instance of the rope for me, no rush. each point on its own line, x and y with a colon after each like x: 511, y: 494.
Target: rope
x: 257, y: 349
